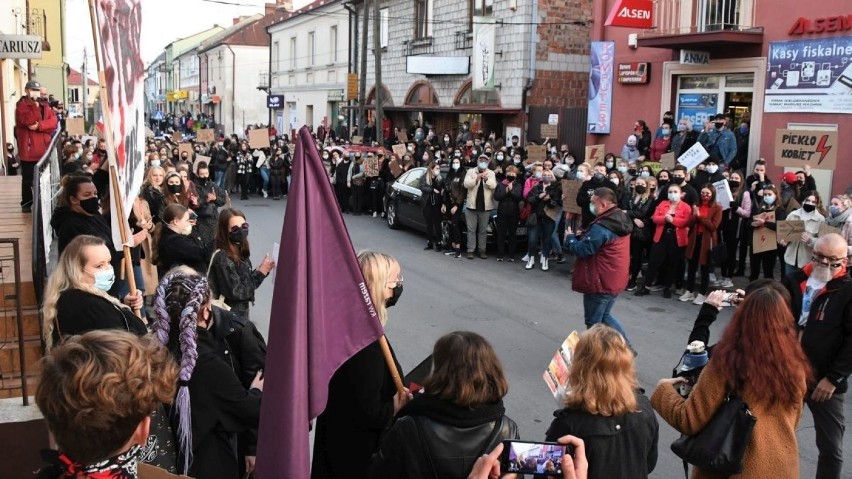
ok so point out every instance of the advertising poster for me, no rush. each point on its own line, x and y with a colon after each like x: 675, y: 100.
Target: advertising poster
x: 810, y: 76
x: 697, y: 107
x: 601, y: 74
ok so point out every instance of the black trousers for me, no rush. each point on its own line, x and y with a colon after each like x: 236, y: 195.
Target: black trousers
x: 664, y: 260
x: 342, y: 192
x: 829, y: 424
x: 765, y: 260
x: 637, y: 256
x: 275, y: 179
x: 357, y: 198
x: 693, y: 268
x: 244, y: 185
x: 27, y: 173
x: 507, y: 231
x: 456, y: 224
x: 432, y: 216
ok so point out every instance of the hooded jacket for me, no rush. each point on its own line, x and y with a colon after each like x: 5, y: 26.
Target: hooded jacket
x: 602, y: 253
x: 32, y: 144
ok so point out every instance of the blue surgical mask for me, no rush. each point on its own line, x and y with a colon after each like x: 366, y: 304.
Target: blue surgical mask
x: 593, y: 209
x: 769, y: 200
x: 581, y: 176
x: 155, y: 162
x: 712, y: 169
x: 104, y: 279
x: 834, y: 211
x: 538, y: 176
x: 483, y: 165
x: 674, y: 197
x: 516, y: 161
x: 644, y: 174
x: 622, y: 169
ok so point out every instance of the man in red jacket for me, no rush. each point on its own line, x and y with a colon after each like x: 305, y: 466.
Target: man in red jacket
x: 35, y: 123
x: 601, y: 255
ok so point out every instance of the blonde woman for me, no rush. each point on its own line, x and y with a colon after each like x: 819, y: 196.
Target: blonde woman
x: 606, y: 410
x: 76, y: 299
x: 840, y: 216
x: 153, y: 192
x: 362, y: 399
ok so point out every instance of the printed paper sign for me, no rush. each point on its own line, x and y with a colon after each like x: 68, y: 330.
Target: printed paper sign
x: 693, y: 156
x: 556, y: 375
x: 667, y: 161
x: 371, y: 166
x: 723, y: 194
x: 797, y: 148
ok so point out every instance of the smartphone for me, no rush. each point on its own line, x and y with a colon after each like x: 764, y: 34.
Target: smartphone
x: 528, y: 457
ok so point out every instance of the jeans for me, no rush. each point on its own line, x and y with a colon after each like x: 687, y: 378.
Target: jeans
x: 219, y: 178
x: 264, y: 174
x: 542, y: 231
x: 558, y: 232
x: 477, y: 234
x: 829, y: 426
x: 597, y: 309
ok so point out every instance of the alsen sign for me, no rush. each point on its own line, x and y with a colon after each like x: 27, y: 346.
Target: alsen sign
x: 631, y: 13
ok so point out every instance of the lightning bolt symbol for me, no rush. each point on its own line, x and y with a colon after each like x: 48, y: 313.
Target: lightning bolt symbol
x: 594, y: 153
x: 821, y: 148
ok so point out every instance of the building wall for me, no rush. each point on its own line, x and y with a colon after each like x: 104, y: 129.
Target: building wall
x: 231, y: 70
x: 14, y: 72
x: 50, y: 69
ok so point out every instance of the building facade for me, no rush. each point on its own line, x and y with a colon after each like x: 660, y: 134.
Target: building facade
x: 309, y: 60
x: 46, y: 20
x: 14, y: 71
x: 176, y: 98
x: 75, y: 105
x: 773, y: 68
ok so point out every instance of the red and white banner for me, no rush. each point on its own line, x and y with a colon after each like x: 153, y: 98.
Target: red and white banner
x: 631, y: 13
x: 119, y: 26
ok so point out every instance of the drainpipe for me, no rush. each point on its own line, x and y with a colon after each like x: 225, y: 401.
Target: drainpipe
x: 233, y: 89
x: 353, y: 46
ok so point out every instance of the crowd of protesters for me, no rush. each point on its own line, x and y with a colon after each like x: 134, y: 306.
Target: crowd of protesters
x: 198, y: 411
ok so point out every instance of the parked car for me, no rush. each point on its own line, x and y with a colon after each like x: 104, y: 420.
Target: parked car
x: 404, y: 207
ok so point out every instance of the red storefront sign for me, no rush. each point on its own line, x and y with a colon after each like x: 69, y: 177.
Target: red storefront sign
x: 633, y: 73
x: 804, y: 25
x: 631, y: 13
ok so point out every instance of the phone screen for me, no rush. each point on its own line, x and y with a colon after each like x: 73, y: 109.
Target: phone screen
x: 525, y: 457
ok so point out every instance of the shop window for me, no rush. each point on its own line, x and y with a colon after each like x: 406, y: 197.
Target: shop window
x: 421, y: 93
x: 467, y: 96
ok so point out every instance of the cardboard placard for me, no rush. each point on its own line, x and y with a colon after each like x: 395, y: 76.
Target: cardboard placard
x: 395, y: 169
x: 371, y: 166
x: 177, y: 137
x: 199, y: 159
x: 259, y: 138
x: 402, y: 136
x: 398, y: 150
x: 549, y: 131
x: 570, y: 189
x: 764, y: 239
x: 825, y: 229
x: 595, y: 153
x: 75, y: 126
x: 797, y: 148
x: 693, y: 156
x: 667, y: 160
x: 536, y: 153
x: 723, y: 194
x: 357, y: 140
x: 655, y: 167
x: 185, y: 147
x: 790, y: 230
x: 206, y: 135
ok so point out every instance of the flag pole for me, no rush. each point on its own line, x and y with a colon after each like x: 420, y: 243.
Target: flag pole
x: 110, y: 142
x: 397, y: 381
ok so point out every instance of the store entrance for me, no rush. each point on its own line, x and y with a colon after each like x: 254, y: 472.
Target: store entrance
x: 738, y: 106
x: 700, y: 97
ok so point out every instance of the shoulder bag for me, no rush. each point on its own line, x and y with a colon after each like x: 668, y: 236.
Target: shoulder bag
x: 721, y: 445
x: 718, y: 253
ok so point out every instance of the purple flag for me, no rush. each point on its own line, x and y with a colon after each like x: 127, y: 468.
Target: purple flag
x: 322, y: 315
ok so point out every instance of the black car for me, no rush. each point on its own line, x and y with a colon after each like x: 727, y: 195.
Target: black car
x: 404, y: 206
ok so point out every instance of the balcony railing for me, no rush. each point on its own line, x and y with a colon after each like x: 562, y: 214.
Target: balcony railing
x: 263, y: 81
x: 683, y: 17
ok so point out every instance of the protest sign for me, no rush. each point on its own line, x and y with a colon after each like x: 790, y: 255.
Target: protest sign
x: 693, y: 156
x: 206, y: 135
x: 398, y: 150
x: 764, y: 239
x: 570, y: 189
x: 790, y: 230
x: 825, y: 229
x: 371, y: 166
x: 723, y: 194
x: 259, y: 138
x: 556, y: 375
x: 402, y: 136
x: 536, y: 153
x: 550, y: 131
x: 595, y: 153
x: 177, y: 137
x: 185, y: 148
x: 75, y: 126
x: 667, y: 160
x: 797, y: 148
x: 395, y: 168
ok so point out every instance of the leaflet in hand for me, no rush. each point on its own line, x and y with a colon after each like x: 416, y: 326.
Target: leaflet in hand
x: 556, y: 375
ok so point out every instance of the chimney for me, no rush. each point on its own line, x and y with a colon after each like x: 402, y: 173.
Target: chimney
x: 286, y: 5
x: 268, y: 9
x: 236, y: 20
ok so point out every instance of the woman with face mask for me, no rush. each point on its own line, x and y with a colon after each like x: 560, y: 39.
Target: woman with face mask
x: 630, y: 150
x: 799, y: 250
x: 231, y: 274
x: 176, y: 243
x: 840, y: 216
x: 175, y: 192
x: 684, y: 138
x: 662, y: 144
x: 455, y: 196
x: 432, y: 188
x: 362, y: 398
x: 736, y: 229
x: 509, y: 194
x: 76, y: 298
x: 767, y: 211
x: 703, y: 237
x: 639, y: 211
x: 546, y: 200
x: 245, y: 167
x: 672, y: 219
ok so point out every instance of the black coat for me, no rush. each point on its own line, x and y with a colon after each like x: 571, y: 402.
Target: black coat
x: 641, y: 211
x: 156, y: 202
x: 616, y: 447
x: 584, y: 196
x: 509, y: 201
x: 450, y: 439
x: 175, y: 249
x: 359, y: 409
x: 209, y: 209
x: 235, y: 281
x: 70, y: 224
x: 221, y: 407
x: 78, y: 312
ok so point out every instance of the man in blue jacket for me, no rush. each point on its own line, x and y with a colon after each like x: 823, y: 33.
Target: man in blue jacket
x: 719, y: 141
x: 602, y: 253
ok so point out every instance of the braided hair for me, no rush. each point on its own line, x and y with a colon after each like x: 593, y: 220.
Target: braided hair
x: 178, y: 303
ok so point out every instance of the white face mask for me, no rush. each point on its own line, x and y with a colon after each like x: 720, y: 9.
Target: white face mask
x: 712, y: 169
x: 614, y: 181
x: 34, y: 94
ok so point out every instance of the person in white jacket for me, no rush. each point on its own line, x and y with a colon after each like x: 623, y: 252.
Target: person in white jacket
x: 480, y: 183
x: 799, y: 252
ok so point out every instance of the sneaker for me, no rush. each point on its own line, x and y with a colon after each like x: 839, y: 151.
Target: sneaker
x: 511, y: 260
x: 375, y: 214
x: 654, y: 288
x: 631, y: 285
x: 458, y: 254
x: 687, y: 296
x: 680, y: 291
x: 470, y: 255
x: 265, y: 195
x: 667, y: 293
x: 699, y: 299
x: 545, y: 263
x: 500, y: 259
x: 530, y: 263
x: 713, y: 278
x: 526, y: 257
x: 726, y: 283
x: 449, y: 253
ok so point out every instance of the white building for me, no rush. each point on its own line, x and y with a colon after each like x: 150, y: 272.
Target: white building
x: 155, y: 85
x: 309, y: 63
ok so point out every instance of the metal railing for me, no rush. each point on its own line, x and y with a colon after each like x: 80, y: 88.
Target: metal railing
x: 15, y: 259
x: 678, y: 17
x: 45, y: 194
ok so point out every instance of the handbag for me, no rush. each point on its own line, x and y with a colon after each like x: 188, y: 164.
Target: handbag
x: 721, y: 445
x: 718, y: 253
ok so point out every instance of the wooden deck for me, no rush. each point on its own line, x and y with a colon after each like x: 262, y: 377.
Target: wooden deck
x: 15, y: 224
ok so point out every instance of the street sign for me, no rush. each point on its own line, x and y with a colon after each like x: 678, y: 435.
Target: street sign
x: 20, y: 46
x: 352, y: 86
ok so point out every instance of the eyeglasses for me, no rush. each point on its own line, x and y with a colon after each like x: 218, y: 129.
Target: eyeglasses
x: 397, y: 281
x: 827, y: 260
x: 237, y: 228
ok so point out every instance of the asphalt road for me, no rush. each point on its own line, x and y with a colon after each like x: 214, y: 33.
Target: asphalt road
x: 524, y: 314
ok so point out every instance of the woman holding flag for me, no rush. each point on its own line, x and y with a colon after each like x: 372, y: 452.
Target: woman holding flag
x: 362, y: 397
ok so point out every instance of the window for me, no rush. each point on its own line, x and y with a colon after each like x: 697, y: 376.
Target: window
x: 333, y: 43
x: 423, y: 18
x: 73, y: 95
x: 292, y: 53
x: 422, y: 94
x: 482, y: 8
x: 383, y: 27
x: 276, y: 51
x: 311, y: 49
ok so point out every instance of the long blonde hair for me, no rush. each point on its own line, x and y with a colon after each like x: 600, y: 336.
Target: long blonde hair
x: 376, y: 268
x: 69, y: 274
x: 602, y: 376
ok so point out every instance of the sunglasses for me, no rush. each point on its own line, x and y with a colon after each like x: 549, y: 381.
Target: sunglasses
x: 827, y: 260
x: 237, y: 228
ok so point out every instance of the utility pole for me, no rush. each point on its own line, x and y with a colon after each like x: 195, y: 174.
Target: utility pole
x: 85, y: 89
x: 362, y: 86
x: 377, y: 53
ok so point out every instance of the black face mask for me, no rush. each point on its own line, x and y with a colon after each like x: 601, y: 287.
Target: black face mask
x: 238, y: 237
x: 397, y: 292
x: 733, y: 184
x: 203, y: 181
x: 175, y: 189
x: 598, y: 177
x: 631, y: 171
x: 809, y: 208
x: 640, y: 189
x: 90, y: 205
x: 677, y: 180
x: 511, y: 178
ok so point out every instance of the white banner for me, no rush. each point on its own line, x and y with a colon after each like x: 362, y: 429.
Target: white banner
x: 119, y: 25
x: 484, y: 33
